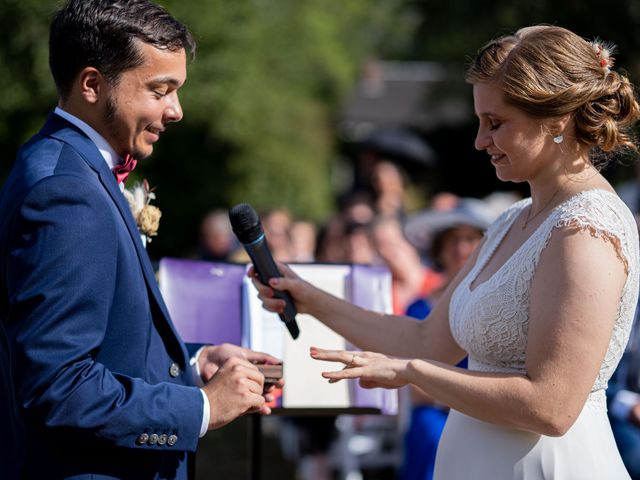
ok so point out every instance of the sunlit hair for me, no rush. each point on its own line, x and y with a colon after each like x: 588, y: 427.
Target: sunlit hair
x: 548, y: 72
x: 104, y: 34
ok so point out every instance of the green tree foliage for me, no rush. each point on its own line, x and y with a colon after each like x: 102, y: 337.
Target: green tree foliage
x: 454, y: 30
x: 26, y: 88
x: 259, y: 101
x: 268, y: 78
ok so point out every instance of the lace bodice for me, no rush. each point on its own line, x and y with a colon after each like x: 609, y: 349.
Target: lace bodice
x: 491, y: 321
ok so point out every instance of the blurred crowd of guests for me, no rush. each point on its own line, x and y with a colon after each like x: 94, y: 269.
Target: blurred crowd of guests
x: 372, y: 226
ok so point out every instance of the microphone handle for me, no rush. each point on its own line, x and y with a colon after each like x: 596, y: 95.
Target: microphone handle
x: 267, y: 269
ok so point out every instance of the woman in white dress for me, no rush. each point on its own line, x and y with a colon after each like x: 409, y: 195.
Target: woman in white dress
x: 544, y: 307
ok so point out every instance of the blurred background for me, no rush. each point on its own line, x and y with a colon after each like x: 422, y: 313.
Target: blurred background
x: 282, y: 93
x: 349, y: 126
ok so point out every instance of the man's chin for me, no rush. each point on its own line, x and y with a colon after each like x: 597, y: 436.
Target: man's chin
x: 142, y: 154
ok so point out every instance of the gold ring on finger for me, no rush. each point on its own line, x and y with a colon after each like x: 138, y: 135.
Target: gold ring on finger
x: 352, y: 363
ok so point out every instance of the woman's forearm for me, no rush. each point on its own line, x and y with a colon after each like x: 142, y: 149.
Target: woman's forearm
x: 510, y: 400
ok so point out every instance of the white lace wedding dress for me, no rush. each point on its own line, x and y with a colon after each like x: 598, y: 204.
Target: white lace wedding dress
x: 491, y: 321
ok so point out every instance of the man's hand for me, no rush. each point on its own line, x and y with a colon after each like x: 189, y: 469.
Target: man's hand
x: 235, y: 389
x: 213, y: 357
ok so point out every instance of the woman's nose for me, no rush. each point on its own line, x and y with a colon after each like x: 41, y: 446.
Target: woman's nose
x: 483, y: 139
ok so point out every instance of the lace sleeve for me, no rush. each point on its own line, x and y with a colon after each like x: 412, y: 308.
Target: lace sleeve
x: 604, y: 216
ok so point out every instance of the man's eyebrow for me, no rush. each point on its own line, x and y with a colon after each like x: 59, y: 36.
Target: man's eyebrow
x: 165, y: 80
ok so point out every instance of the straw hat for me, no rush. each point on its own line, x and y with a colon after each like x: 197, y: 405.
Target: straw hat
x: 421, y: 228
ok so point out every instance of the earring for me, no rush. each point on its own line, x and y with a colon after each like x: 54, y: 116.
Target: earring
x: 558, y: 138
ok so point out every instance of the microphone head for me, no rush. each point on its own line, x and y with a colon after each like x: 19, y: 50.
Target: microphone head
x: 245, y: 223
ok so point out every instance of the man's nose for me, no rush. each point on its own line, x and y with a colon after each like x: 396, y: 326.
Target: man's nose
x: 173, y: 112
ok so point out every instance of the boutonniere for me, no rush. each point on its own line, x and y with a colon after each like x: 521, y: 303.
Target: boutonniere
x: 147, y: 216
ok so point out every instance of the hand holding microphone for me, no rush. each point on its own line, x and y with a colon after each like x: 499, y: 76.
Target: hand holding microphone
x: 247, y: 227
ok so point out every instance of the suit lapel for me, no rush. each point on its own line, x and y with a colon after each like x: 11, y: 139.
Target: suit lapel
x: 59, y: 128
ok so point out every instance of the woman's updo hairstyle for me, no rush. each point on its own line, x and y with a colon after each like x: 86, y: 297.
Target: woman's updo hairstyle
x: 548, y: 72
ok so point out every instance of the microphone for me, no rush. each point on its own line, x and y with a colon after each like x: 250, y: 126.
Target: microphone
x: 247, y: 227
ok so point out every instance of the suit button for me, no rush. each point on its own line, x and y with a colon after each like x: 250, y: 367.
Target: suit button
x: 162, y: 439
x: 171, y: 441
x: 174, y: 370
x: 142, y: 439
x: 153, y: 439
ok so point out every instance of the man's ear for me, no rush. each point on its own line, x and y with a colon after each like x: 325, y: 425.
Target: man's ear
x: 92, y: 84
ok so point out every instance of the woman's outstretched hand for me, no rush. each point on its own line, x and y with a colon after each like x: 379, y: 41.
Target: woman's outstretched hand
x: 373, y: 369
x: 299, y: 290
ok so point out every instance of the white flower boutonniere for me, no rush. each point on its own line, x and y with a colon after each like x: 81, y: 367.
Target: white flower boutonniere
x: 147, y: 216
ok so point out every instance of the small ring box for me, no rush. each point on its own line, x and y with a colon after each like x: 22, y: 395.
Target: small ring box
x: 272, y: 373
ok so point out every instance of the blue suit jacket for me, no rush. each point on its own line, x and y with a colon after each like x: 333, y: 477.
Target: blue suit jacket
x: 93, y: 344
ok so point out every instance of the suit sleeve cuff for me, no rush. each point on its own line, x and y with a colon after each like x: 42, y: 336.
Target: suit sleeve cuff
x: 206, y: 412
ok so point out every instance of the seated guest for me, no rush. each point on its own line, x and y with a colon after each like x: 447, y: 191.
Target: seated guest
x: 217, y: 241
x: 410, y: 278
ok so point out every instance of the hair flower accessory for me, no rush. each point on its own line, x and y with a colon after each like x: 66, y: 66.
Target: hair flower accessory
x: 147, y: 216
x: 603, y: 53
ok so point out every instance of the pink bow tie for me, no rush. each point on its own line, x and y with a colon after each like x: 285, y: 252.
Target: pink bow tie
x: 122, y: 171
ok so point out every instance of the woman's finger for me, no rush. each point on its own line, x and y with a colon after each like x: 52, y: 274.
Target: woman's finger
x: 266, y: 295
x: 344, y: 374
x: 285, y: 270
x: 347, y: 357
x: 263, y: 290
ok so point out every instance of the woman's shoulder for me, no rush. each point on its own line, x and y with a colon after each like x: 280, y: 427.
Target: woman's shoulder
x: 601, y: 213
x: 594, y: 207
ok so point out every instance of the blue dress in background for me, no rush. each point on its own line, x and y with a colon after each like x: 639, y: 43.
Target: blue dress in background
x: 427, y: 422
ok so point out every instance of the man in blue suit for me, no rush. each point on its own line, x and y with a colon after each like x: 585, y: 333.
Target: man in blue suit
x: 104, y: 383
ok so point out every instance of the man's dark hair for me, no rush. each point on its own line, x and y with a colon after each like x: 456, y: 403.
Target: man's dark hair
x: 103, y: 34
